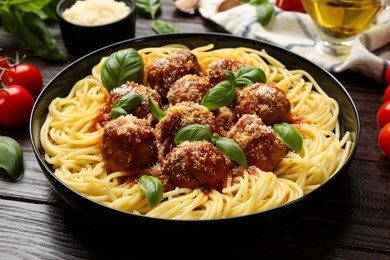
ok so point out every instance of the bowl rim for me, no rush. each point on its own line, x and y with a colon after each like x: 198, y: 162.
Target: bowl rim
x: 171, y: 36
x: 60, y: 10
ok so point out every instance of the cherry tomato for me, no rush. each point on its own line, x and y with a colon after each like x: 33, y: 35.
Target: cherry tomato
x: 3, y: 62
x: 16, y: 104
x: 384, y: 140
x: 290, y: 5
x: 383, y: 115
x: 386, y: 94
x: 387, y: 76
x: 25, y: 75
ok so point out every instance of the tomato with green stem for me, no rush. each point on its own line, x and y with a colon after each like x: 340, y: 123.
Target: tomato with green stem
x: 16, y: 104
x: 25, y: 75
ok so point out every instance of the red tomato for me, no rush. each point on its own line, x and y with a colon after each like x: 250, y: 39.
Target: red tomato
x: 3, y: 62
x: 290, y: 5
x: 386, y: 94
x: 16, y: 104
x: 384, y: 140
x: 25, y: 75
x: 387, y: 76
x: 383, y: 115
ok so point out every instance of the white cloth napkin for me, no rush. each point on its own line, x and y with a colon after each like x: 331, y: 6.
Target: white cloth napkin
x: 370, y: 53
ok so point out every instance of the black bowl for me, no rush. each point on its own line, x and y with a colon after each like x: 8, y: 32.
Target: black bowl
x: 61, y: 84
x: 81, y: 39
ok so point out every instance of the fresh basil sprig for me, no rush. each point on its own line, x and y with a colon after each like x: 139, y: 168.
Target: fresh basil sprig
x: 220, y: 95
x: 246, y: 76
x: 290, y: 135
x: 126, y: 103
x: 231, y: 149
x: 11, y: 159
x: 193, y: 133
x: 265, y: 11
x: 224, y: 92
x: 162, y: 27
x: 148, y: 7
x: 155, y: 110
x: 227, y: 146
x: 27, y: 21
x: 120, y: 67
x: 153, y: 189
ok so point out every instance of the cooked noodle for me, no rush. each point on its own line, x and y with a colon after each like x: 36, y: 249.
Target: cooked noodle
x: 73, y: 147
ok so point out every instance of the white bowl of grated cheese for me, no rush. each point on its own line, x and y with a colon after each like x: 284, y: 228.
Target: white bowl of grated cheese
x: 87, y: 25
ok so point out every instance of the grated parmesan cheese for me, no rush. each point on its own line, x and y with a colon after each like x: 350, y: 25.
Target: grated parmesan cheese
x: 96, y: 12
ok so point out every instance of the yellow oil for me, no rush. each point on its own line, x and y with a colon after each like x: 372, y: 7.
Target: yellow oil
x: 343, y: 19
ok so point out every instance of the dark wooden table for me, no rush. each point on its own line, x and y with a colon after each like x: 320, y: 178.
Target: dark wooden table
x: 352, y: 222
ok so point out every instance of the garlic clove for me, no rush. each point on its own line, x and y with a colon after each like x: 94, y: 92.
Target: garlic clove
x: 227, y: 4
x: 187, y: 6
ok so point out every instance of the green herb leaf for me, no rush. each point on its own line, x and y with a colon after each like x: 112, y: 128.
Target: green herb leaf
x: 231, y: 149
x: 251, y: 73
x: 193, y: 133
x: 229, y: 75
x: 35, y: 35
x: 155, y: 110
x: 117, y: 112
x: 221, y: 95
x: 265, y: 12
x: 153, y: 189
x: 162, y: 27
x: 126, y: 103
x: 290, y: 135
x: 148, y: 7
x: 243, y: 82
x: 11, y: 159
x: 30, y: 6
x: 120, y: 67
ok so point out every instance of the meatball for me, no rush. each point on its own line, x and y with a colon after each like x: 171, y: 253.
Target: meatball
x: 261, y: 145
x: 128, y: 144
x: 267, y: 101
x: 179, y: 116
x: 196, y: 165
x: 189, y: 88
x: 163, y: 72
x: 140, y: 111
x: 226, y: 117
x: 215, y: 69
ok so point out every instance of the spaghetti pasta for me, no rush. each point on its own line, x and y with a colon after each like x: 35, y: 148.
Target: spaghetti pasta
x: 73, y: 146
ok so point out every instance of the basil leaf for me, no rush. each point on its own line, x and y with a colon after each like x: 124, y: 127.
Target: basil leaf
x: 162, y: 27
x: 264, y: 12
x: 153, y: 189
x: 11, y: 159
x: 255, y: 2
x: 243, y: 82
x: 120, y: 67
x: 229, y: 75
x: 252, y: 73
x: 231, y: 149
x: 155, y: 110
x: 30, y: 6
x: 221, y: 95
x: 117, y: 112
x: 148, y: 7
x: 35, y: 35
x: 193, y: 133
x: 130, y: 101
x: 290, y: 135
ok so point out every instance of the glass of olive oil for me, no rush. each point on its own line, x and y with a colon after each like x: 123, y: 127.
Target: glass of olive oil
x: 338, y: 22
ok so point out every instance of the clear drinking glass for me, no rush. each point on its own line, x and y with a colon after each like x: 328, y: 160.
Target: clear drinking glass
x: 338, y: 22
